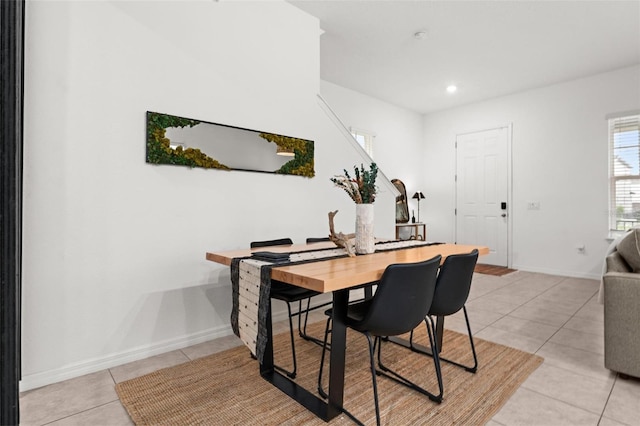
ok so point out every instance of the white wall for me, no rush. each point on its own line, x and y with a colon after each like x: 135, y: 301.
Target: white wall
x: 114, y: 248
x: 398, y: 143
x: 398, y: 131
x: 559, y: 158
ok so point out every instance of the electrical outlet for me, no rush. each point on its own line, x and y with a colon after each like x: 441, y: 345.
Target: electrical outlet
x: 533, y: 205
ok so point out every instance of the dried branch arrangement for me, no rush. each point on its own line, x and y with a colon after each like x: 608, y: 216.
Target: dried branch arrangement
x: 341, y: 240
x: 361, y: 188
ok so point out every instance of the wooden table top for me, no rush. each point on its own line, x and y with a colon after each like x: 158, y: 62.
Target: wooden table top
x: 336, y: 274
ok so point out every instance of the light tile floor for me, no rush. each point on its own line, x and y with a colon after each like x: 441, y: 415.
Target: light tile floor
x: 556, y: 317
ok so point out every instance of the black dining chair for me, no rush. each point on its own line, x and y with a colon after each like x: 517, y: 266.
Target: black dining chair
x: 400, y: 304
x: 452, y: 291
x: 302, y: 329
x: 290, y: 294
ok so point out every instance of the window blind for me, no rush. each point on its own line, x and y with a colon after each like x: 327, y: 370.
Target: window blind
x: 624, y: 167
x: 364, y: 139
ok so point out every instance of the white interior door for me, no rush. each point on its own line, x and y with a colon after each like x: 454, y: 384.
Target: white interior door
x: 482, y: 189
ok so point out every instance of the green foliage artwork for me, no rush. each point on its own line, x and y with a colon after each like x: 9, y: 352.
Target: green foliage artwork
x: 302, y: 163
x: 216, y: 146
x: 159, y: 150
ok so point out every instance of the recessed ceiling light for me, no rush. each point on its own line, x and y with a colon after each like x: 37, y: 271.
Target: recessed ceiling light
x: 452, y: 88
x: 420, y: 35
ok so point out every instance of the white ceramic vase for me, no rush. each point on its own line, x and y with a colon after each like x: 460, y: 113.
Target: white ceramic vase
x: 365, y: 240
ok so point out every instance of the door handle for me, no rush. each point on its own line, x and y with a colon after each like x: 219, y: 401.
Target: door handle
x: 503, y: 215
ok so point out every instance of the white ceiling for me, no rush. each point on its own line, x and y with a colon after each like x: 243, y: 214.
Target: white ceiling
x: 486, y: 48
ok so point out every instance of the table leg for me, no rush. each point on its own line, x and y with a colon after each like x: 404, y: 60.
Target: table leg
x: 338, y: 346
x: 296, y: 392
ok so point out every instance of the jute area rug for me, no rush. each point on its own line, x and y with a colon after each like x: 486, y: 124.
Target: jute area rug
x: 226, y: 388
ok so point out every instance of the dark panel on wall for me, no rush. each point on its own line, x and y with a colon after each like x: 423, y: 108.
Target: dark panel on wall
x: 11, y: 81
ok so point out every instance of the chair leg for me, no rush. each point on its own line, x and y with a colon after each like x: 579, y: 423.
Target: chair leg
x: 393, y: 375
x: 324, y: 350
x: 302, y: 328
x: 300, y: 314
x: 372, y: 345
x: 433, y: 342
x: 473, y: 368
x: 473, y: 347
x: 291, y: 374
x: 302, y: 331
x: 413, y: 348
x: 470, y: 368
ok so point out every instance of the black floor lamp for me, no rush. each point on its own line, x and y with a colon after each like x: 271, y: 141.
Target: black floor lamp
x: 418, y: 196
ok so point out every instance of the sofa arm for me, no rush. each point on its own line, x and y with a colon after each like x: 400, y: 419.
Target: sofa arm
x: 622, y: 322
x: 615, y: 263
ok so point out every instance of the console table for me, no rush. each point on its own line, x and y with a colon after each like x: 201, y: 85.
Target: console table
x: 415, y: 230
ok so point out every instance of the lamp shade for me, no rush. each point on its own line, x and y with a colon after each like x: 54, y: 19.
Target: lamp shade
x: 287, y: 152
x: 418, y: 196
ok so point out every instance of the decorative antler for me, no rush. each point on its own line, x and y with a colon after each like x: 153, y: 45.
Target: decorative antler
x: 340, y: 239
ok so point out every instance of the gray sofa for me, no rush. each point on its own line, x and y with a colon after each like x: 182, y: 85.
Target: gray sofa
x: 621, y: 293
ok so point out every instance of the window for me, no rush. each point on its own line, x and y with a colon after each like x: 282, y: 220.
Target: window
x: 624, y: 170
x: 365, y: 139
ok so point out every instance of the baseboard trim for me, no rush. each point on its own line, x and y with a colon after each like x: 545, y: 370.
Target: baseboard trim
x: 570, y: 274
x: 36, y: 380
x: 32, y: 381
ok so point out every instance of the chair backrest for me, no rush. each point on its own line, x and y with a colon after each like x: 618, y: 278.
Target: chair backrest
x: 454, y: 283
x: 280, y: 242
x: 317, y: 240
x: 402, y: 299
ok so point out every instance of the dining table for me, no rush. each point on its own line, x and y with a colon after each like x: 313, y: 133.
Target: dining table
x: 336, y: 276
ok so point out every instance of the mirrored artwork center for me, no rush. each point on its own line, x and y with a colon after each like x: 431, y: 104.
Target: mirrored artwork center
x: 196, y: 143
